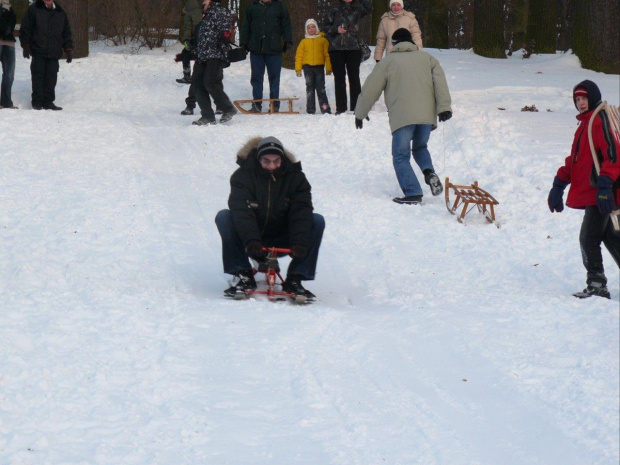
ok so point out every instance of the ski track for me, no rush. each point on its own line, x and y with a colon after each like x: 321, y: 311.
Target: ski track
x: 431, y: 342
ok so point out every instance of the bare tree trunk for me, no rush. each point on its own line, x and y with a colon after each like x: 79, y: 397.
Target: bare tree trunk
x: 595, y: 39
x: 489, y: 28
x: 542, y: 25
x: 77, y: 12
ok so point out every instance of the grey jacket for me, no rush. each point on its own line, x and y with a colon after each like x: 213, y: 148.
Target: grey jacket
x: 415, y: 88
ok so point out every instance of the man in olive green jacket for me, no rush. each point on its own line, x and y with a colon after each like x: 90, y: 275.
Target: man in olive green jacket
x: 416, y: 93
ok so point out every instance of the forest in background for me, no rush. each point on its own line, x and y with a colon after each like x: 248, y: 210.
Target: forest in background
x: 492, y: 28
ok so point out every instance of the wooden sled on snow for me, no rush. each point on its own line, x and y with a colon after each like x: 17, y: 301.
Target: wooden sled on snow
x: 467, y: 195
x: 271, y: 108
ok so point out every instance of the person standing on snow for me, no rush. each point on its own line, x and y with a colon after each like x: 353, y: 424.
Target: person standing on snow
x: 416, y: 93
x: 270, y: 204
x: 8, y: 20
x: 342, y: 31
x: 191, y: 15
x: 394, y: 19
x: 313, y: 58
x: 596, y: 194
x: 267, y: 33
x: 212, y: 39
x: 44, y: 34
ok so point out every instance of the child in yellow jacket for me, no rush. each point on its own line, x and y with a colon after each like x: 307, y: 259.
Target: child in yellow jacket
x: 312, y: 57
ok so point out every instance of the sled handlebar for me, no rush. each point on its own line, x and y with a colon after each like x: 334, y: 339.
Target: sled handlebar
x: 275, y: 250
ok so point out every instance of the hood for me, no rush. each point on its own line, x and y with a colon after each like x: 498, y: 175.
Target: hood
x: 405, y: 47
x: 246, y: 156
x: 594, y: 94
x: 318, y: 32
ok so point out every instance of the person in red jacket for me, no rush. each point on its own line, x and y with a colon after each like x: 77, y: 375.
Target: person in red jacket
x: 597, y: 194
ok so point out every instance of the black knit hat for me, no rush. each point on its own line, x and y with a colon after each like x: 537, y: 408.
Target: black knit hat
x: 401, y: 35
x: 269, y: 146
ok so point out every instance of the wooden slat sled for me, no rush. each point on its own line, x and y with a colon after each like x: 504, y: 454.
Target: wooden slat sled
x: 467, y: 195
x: 271, y: 110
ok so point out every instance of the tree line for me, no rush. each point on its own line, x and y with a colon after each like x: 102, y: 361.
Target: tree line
x: 492, y: 28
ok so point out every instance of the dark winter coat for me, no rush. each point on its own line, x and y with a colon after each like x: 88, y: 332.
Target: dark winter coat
x: 192, y: 15
x: 347, y: 15
x: 266, y: 27
x: 8, y: 19
x: 265, y: 206
x: 210, y: 34
x: 579, y: 170
x: 46, y: 30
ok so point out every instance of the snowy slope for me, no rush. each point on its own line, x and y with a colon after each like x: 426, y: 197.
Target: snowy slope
x: 431, y: 342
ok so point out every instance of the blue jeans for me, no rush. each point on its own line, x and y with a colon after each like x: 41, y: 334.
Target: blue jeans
x: 405, y: 141
x: 235, y: 258
x: 7, y: 56
x: 258, y: 63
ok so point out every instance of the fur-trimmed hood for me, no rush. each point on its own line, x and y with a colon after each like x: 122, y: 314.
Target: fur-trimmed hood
x: 251, y: 148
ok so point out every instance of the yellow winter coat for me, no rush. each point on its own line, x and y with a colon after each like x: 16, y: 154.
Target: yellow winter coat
x: 313, y: 51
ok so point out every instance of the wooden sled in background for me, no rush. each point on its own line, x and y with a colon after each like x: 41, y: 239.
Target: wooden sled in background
x: 467, y: 195
x: 271, y: 110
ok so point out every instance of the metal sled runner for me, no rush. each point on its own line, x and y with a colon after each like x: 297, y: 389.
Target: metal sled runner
x: 467, y: 195
x: 272, y: 110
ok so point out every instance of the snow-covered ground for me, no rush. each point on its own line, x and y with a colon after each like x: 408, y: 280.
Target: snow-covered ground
x: 431, y: 343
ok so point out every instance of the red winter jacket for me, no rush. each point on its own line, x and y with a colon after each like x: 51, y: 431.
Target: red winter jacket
x: 579, y: 170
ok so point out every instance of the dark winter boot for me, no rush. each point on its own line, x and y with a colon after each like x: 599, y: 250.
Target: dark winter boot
x: 187, y: 111
x: 409, y: 200
x: 256, y: 108
x: 241, y: 284
x: 596, y: 289
x: 228, y: 115
x: 293, y: 285
x: 187, y: 76
x: 433, y: 180
x: 204, y: 122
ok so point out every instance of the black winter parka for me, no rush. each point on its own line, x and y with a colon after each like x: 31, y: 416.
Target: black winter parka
x: 267, y: 206
x: 7, y: 24
x: 46, y: 30
x: 347, y: 15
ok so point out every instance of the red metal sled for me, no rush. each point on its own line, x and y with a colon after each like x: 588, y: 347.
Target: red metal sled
x: 271, y: 268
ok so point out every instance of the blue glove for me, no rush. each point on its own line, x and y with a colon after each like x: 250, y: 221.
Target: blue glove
x: 555, y: 195
x: 604, y: 195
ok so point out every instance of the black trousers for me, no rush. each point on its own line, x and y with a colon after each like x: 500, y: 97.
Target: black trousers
x: 346, y: 62
x: 596, y: 228
x: 315, y: 82
x: 190, y: 101
x: 208, y: 82
x: 44, y: 73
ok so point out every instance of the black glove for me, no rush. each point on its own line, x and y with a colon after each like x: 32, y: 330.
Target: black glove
x: 286, y: 46
x: 445, y: 116
x: 255, y: 250
x: 359, y: 123
x: 244, y: 47
x: 298, y: 251
x: 604, y: 195
x: 377, y: 61
x: 69, y: 55
x: 555, y: 195
x: 26, y: 51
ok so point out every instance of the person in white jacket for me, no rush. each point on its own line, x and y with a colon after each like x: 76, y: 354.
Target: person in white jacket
x: 394, y: 19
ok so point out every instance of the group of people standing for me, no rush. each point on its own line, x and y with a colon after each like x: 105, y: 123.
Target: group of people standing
x: 45, y: 35
x: 266, y: 33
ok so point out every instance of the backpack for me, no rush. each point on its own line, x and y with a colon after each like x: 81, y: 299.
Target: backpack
x: 611, y: 118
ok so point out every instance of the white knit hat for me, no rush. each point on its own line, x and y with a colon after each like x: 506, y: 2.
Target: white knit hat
x: 311, y: 21
x: 400, y: 2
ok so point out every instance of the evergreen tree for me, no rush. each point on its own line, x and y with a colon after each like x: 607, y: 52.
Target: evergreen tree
x: 489, y: 28
x: 542, y: 25
x: 595, y: 35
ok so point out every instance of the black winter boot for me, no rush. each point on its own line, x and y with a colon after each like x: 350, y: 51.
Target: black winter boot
x: 596, y: 289
x: 293, y: 285
x: 433, y: 180
x: 242, y: 282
